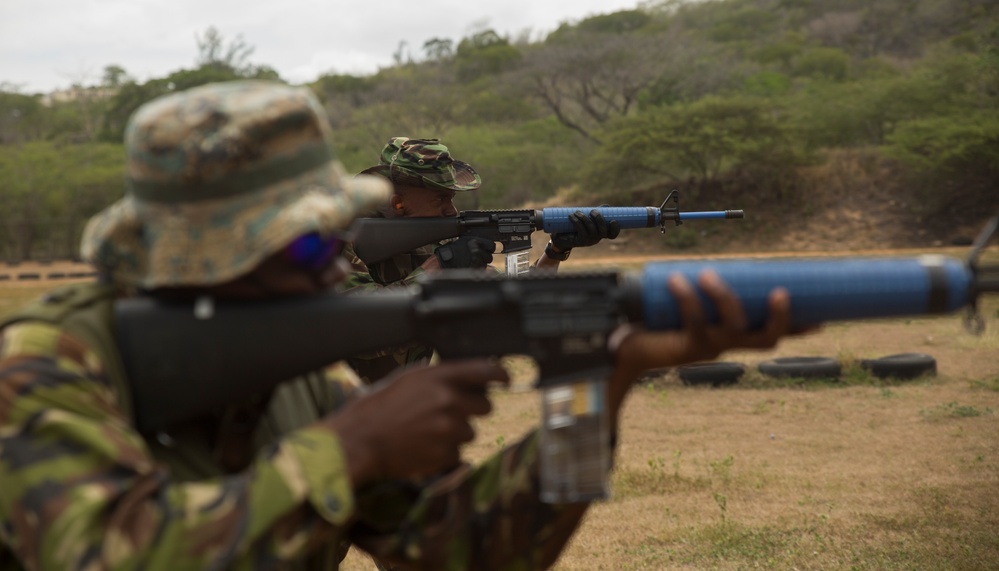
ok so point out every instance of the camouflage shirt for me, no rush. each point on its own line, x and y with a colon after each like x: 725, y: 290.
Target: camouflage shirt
x: 399, y: 271
x: 82, y: 489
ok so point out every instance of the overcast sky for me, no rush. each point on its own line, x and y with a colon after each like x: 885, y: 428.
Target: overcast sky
x: 50, y: 44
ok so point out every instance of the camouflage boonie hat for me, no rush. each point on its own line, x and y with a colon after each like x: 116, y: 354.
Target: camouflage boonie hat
x: 218, y: 178
x: 424, y: 163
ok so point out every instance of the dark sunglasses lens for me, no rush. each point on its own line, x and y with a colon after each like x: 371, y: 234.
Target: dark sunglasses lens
x: 313, y: 251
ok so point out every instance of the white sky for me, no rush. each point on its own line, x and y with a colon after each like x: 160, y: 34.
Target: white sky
x: 50, y: 44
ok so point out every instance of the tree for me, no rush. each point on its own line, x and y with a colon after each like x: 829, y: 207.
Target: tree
x: 484, y: 53
x: 114, y: 76
x: 22, y: 117
x: 217, y: 60
x: 49, y: 190
x: 586, y: 79
x: 825, y: 63
x: 213, y: 51
x: 704, y: 140
x: 621, y: 22
x: 438, y: 49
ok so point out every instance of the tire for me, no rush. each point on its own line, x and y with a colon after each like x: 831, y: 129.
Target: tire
x: 802, y: 367
x: 714, y: 374
x: 901, y: 366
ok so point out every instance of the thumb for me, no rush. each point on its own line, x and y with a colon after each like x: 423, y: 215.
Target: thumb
x: 614, y: 229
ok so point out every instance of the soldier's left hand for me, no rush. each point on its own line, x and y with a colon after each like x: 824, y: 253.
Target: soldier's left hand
x: 700, y: 340
x: 590, y: 229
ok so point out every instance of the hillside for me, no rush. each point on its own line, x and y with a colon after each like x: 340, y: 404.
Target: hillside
x: 833, y: 123
x: 846, y: 208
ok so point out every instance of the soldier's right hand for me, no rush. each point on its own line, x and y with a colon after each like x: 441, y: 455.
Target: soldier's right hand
x: 413, y: 423
x: 466, y: 252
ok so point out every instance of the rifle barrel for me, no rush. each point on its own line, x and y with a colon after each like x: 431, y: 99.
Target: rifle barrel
x: 706, y: 214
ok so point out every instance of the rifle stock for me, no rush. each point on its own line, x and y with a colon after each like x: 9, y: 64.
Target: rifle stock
x: 377, y: 239
x: 181, y: 365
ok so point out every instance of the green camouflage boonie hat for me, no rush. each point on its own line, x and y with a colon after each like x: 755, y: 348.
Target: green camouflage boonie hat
x: 424, y: 163
x: 218, y: 178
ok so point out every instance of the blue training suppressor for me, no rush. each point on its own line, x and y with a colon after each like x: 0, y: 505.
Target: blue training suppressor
x: 556, y: 219
x: 821, y: 290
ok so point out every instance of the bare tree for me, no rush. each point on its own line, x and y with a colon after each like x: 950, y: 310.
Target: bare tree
x: 213, y: 50
x: 587, y: 79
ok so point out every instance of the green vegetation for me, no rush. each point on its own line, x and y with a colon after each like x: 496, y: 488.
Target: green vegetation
x: 731, y: 97
x: 953, y: 410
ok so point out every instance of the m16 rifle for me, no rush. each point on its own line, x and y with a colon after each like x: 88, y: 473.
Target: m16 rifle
x: 378, y: 239
x: 186, y: 359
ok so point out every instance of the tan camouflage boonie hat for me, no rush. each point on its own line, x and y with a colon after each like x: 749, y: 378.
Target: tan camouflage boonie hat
x: 218, y: 178
x: 424, y: 163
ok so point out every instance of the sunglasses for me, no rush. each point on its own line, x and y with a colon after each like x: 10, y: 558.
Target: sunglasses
x: 314, y: 252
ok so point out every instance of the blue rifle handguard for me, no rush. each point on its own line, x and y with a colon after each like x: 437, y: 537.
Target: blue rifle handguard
x: 555, y: 220
x: 821, y: 290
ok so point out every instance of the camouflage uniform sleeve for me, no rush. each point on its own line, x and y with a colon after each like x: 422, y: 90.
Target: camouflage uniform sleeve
x: 400, y: 272
x: 489, y: 518
x: 375, y: 365
x: 81, y: 490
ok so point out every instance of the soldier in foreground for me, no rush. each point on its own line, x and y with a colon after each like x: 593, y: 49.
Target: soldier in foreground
x: 233, y: 191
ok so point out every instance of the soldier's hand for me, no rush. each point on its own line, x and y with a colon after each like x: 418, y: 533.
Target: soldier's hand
x: 700, y: 340
x: 413, y: 423
x: 466, y: 252
x: 589, y: 229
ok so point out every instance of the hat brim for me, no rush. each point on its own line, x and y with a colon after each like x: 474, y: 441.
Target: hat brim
x: 465, y: 177
x: 151, y: 245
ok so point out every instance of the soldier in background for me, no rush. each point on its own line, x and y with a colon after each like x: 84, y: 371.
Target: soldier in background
x: 233, y: 192
x: 425, y: 178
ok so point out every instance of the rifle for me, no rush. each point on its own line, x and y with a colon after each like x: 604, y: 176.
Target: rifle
x: 378, y: 239
x: 184, y: 359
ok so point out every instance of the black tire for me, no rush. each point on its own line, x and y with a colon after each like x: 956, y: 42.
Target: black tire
x: 802, y: 367
x: 901, y: 366
x: 714, y: 374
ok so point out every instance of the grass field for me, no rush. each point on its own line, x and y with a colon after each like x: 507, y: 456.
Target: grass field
x: 859, y: 474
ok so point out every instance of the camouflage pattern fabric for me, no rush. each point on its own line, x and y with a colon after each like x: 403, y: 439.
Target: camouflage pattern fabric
x: 83, y: 490
x: 218, y: 178
x: 398, y: 271
x: 424, y: 163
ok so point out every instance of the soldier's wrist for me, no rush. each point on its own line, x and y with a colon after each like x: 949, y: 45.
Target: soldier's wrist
x: 555, y: 254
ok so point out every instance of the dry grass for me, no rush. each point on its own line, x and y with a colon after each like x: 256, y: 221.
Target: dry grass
x: 855, y: 475
x: 851, y: 475
x: 860, y: 474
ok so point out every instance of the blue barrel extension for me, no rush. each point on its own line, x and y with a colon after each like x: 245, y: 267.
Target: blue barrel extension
x: 821, y: 290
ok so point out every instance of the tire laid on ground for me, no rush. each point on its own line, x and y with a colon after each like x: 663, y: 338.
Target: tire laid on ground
x: 802, y: 367
x: 714, y: 374
x: 901, y: 366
